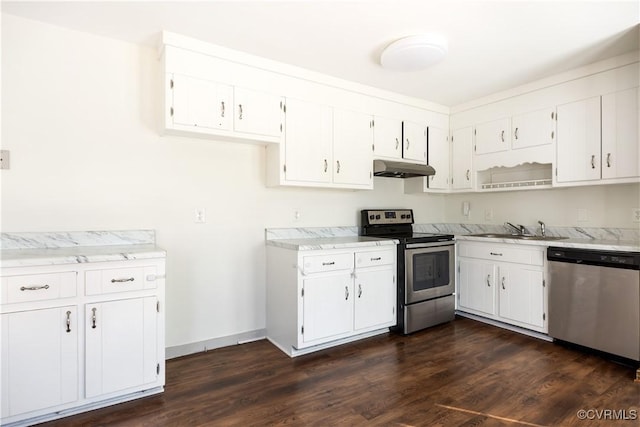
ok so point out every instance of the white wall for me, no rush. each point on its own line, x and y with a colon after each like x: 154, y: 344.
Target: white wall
x: 81, y: 115
x: 81, y: 118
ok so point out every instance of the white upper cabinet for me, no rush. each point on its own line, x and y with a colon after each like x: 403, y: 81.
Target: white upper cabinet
x: 493, y: 136
x: 578, y: 144
x: 533, y: 129
x: 257, y: 113
x: 461, y: 158
x: 414, y: 140
x: 308, y: 142
x: 352, y: 148
x: 387, y: 138
x: 620, y: 156
x: 438, y: 157
x: 200, y: 103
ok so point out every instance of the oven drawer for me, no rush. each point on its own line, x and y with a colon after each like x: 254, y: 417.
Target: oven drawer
x: 39, y: 287
x: 502, y: 253
x: 329, y: 262
x: 375, y: 258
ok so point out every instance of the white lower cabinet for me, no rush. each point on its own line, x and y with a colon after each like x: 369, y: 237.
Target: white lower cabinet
x: 78, y: 340
x: 504, y: 282
x: 330, y: 297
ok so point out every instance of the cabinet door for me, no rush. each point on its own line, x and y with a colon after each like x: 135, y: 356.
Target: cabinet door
x: 39, y: 359
x: 493, y: 136
x: 461, y: 146
x: 476, y: 286
x: 438, y: 157
x: 375, y: 299
x: 620, y: 113
x: 121, y: 345
x: 387, y: 138
x: 578, y: 143
x: 534, y: 128
x: 352, y: 148
x: 308, y: 142
x: 521, y: 295
x: 201, y: 103
x: 327, y: 307
x: 257, y: 113
x: 414, y: 140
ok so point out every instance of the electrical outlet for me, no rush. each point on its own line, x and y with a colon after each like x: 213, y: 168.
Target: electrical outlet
x: 200, y: 216
x: 488, y: 214
x: 296, y: 214
x: 635, y: 214
x: 4, y: 159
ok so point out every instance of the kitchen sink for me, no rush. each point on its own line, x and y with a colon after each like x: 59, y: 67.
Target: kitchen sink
x: 517, y: 236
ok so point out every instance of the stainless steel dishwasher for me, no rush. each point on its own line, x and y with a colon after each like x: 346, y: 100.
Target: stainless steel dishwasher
x: 594, y: 299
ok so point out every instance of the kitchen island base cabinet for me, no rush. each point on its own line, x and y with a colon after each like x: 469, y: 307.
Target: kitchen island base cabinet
x: 322, y: 298
x: 74, y: 341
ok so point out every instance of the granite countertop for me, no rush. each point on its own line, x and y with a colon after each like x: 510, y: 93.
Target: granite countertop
x: 322, y: 243
x: 53, y: 248
x: 596, y: 244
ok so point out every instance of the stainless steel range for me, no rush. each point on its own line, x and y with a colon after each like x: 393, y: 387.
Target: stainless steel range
x: 426, y: 280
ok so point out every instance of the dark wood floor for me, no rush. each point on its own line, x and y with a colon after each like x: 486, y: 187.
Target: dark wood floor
x: 463, y: 373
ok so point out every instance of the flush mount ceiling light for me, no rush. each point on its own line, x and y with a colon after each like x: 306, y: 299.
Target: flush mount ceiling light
x: 414, y: 52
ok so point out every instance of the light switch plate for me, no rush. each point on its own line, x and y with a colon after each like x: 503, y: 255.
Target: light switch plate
x: 4, y: 159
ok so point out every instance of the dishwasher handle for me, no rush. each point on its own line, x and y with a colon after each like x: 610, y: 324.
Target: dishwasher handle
x: 613, y: 259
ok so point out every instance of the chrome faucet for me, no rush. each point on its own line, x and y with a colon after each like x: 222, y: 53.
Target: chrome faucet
x: 519, y: 228
x: 542, y: 228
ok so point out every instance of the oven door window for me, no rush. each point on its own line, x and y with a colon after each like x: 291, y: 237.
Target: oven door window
x: 430, y: 270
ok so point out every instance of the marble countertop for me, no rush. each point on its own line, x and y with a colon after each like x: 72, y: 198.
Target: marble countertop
x: 79, y: 254
x: 322, y: 243
x: 596, y: 244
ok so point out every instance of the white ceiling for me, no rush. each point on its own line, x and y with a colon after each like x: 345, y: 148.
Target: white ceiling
x: 493, y: 46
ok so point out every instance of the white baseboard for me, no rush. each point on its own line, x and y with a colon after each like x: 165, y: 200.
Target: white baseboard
x: 202, y: 346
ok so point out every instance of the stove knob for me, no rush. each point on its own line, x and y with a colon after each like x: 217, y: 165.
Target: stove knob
x: 403, y: 216
x: 408, y: 216
x: 377, y: 216
x: 372, y: 216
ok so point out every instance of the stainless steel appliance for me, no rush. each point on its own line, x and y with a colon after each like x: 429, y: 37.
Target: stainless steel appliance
x: 594, y: 299
x: 425, y: 275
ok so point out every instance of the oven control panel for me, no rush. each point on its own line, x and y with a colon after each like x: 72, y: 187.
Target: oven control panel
x: 387, y: 217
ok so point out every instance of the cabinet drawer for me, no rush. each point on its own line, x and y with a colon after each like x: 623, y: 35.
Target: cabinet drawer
x: 38, y: 287
x: 331, y: 262
x: 503, y: 253
x: 119, y: 280
x: 373, y: 258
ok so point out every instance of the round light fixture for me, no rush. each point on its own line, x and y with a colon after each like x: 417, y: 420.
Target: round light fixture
x: 414, y: 52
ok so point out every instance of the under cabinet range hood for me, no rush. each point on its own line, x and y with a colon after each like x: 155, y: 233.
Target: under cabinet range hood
x: 400, y: 169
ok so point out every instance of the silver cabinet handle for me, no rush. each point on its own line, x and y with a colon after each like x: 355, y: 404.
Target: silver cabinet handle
x: 130, y: 279
x: 337, y: 166
x: 33, y: 288
x: 593, y: 161
x: 495, y: 253
x: 376, y: 259
x: 222, y: 109
x: 397, y: 143
x: 329, y: 263
x: 488, y: 280
x: 359, y: 291
x: 503, y: 283
x: 326, y: 165
x: 346, y: 293
x: 68, y: 321
x: 239, y: 111
x: 553, y: 134
x: 467, y: 174
x: 502, y: 136
x: 515, y: 134
x: 93, y: 318
x: 608, y: 160
x: 553, y: 115
x: 407, y: 143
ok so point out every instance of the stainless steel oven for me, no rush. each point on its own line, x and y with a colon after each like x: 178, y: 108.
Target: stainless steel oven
x: 426, y: 272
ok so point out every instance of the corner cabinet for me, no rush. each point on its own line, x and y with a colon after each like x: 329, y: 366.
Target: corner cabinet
x: 318, y: 299
x: 78, y: 337
x: 503, y: 282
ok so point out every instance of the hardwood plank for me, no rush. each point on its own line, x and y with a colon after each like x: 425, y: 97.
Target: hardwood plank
x: 462, y: 373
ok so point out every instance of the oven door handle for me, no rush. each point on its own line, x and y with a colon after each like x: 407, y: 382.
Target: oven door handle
x: 440, y: 243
